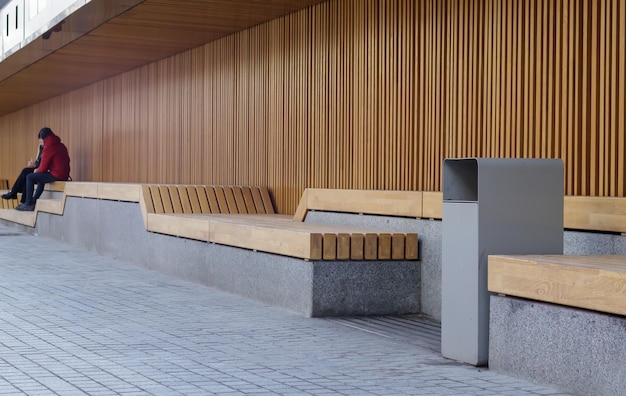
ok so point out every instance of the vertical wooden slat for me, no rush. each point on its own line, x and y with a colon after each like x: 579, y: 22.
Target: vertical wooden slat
x: 384, y: 246
x: 329, y: 246
x: 370, y: 246
x: 621, y: 106
x: 357, y: 94
x: 343, y: 246
x: 411, y: 247
x: 397, y: 246
x: 357, y: 246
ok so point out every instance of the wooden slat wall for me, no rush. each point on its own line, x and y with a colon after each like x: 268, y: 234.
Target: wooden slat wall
x: 358, y: 94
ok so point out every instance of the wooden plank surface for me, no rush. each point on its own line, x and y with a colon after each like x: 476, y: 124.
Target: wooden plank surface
x: 248, y: 199
x: 128, y: 192
x: 595, y: 213
x: 258, y: 200
x: 203, y: 199
x: 221, y: 200
x: 175, y: 199
x: 192, y: 191
x: 54, y: 206
x: 329, y: 246
x: 593, y: 282
x: 156, y: 199
x: 185, y: 201
x: 292, y: 243
x: 267, y: 200
x: 166, y: 200
x: 432, y: 205
x: 16, y: 216
x: 239, y: 200
x: 179, y: 224
x: 392, y: 203
x: 214, y: 205
x: 230, y: 199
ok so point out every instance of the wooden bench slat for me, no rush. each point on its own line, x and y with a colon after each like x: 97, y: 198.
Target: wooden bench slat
x: 393, y: 203
x: 229, y: 193
x: 229, y: 206
x: 411, y: 247
x: 329, y: 247
x: 147, y: 197
x: 166, y: 200
x: 221, y: 199
x: 384, y: 246
x: 397, y: 246
x: 370, y: 247
x: 258, y: 200
x: 343, y: 246
x: 214, y: 206
x: 203, y: 199
x: 175, y: 198
x: 185, y: 201
x: 248, y: 199
x: 592, y: 282
x: 192, y: 191
x: 290, y: 243
x: 239, y: 200
x: 156, y: 199
x: 267, y: 201
x: 357, y: 244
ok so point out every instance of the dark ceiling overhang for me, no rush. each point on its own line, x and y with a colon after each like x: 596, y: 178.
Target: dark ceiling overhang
x: 108, y: 37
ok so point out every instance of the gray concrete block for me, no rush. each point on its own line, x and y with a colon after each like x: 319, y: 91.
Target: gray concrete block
x: 429, y: 234
x: 580, y: 351
x: 349, y: 288
x: 310, y: 288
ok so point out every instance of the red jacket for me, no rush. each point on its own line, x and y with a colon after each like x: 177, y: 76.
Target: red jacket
x: 54, y: 158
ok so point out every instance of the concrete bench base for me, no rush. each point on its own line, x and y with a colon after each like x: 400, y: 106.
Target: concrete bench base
x: 310, y: 288
x: 579, y: 351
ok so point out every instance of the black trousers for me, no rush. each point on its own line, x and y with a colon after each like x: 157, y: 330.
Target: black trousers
x: 20, y: 184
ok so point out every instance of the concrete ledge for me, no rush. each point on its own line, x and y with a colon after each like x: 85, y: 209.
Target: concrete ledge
x: 579, y: 351
x: 310, y: 288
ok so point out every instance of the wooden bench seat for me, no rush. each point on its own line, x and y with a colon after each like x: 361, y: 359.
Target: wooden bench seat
x: 596, y: 282
x: 244, y: 217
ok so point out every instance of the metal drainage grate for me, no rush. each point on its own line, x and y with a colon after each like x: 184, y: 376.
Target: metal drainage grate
x: 413, y: 329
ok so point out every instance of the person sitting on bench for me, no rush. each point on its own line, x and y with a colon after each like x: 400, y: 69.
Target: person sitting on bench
x: 20, y: 183
x: 55, y: 165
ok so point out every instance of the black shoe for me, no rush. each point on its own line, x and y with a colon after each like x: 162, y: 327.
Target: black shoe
x: 25, y: 207
x: 9, y: 195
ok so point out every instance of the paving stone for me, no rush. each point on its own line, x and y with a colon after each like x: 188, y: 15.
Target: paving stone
x: 74, y: 322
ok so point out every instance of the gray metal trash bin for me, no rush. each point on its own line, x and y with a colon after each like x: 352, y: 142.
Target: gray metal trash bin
x: 491, y: 206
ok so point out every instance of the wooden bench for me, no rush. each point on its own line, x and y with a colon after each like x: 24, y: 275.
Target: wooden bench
x: 591, y: 282
x: 560, y: 320
x: 244, y: 217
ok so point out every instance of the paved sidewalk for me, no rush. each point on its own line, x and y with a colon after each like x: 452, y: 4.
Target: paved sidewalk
x: 77, y: 323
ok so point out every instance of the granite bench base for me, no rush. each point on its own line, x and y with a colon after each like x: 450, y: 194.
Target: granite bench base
x: 582, y: 352
x: 310, y: 288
